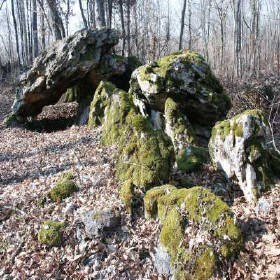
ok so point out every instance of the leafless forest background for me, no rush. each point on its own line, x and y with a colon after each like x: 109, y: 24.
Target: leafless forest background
x: 239, y: 38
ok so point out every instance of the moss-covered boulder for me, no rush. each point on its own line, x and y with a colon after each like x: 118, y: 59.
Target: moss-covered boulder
x: 127, y: 195
x: 145, y: 155
x: 189, y: 156
x: 151, y: 198
x: 239, y: 147
x: 50, y: 233
x: 198, y: 231
x: 64, y: 187
x: 188, y: 80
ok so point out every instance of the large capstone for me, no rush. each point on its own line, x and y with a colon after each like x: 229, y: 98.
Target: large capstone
x: 239, y: 147
x: 83, y: 57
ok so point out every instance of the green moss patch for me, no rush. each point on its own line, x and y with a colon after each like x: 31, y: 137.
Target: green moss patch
x: 151, y: 198
x: 183, y: 211
x: 192, y: 158
x: 50, y: 233
x: 65, y: 187
x: 10, y: 120
x: 145, y: 156
x: 127, y: 195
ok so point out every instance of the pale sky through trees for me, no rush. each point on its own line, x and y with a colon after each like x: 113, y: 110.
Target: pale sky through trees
x: 155, y: 30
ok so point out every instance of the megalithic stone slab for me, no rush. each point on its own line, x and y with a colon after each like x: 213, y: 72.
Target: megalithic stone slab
x: 60, y: 67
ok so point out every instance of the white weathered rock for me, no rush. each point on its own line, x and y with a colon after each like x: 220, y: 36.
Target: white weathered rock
x: 238, y: 146
x: 97, y: 222
x: 162, y: 261
x: 63, y: 65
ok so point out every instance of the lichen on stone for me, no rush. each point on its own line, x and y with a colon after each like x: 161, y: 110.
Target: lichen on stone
x: 187, y: 79
x: 64, y: 187
x: 50, y: 233
x: 239, y: 147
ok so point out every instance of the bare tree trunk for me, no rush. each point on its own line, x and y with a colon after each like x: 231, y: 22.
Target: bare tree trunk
x: 190, y: 24
x: 83, y: 15
x: 110, y: 13
x: 16, y: 31
x: 91, y: 12
x: 35, y: 30
x: 237, y: 7
x: 123, y: 26
x: 135, y: 16
x: 182, y: 24
x: 67, y: 17
x: 128, y: 27
x: 254, y: 34
x: 57, y: 23
x: 100, y: 13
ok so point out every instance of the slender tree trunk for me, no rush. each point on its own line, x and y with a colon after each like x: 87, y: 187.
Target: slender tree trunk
x: 100, y: 13
x: 237, y: 6
x: 91, y: 12
x: 16, y: 31
x: 35, y: 30
x: 123, y: 26
x: 190, y: 24
x: 135, y: 16
x: 57, y: 23
x: 83, y: 15
x: 110, y: 13
x: 128, y: 28
x: 67, y: 17
x: 182, y: 24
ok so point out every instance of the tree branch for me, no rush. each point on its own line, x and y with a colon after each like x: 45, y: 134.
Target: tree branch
x: 3, y: 2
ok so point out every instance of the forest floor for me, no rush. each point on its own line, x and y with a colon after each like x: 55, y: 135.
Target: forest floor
x: 30, y: 162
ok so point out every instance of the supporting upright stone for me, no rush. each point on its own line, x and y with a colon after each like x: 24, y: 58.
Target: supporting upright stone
x: 239, y: 147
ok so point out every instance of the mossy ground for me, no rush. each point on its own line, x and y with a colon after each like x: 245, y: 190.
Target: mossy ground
x: 50, y: 233
x: 65, y: 187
